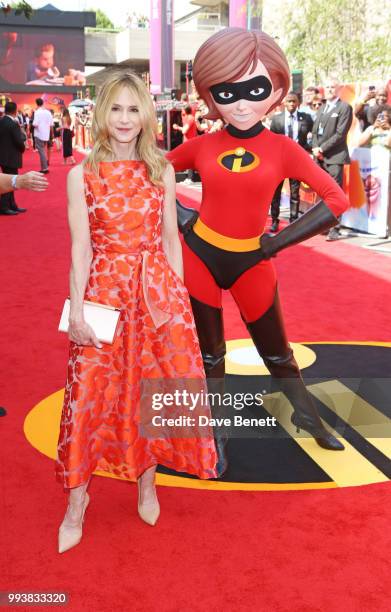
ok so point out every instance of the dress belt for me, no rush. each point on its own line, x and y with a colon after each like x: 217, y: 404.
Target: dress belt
x: 155, y: 281
x: 155, y: 288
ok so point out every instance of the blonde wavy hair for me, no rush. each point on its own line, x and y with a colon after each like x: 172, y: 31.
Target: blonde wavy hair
x: 146, y: 146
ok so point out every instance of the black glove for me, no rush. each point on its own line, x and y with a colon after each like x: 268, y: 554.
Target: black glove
x: 186, y: 217
x: 316, y: 220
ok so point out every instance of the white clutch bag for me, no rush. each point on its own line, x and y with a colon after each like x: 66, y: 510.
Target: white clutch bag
x: 102, y: 318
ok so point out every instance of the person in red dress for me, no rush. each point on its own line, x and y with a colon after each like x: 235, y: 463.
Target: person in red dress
x: 189, y: 128
x: 242, y: 76
x: 189, y: 131
x: 126, y: 253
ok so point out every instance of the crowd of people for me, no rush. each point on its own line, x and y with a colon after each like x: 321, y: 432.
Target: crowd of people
x: 310, y: 102
x: 299, y: 116
x: 41, y: 130
x: 302, y: 117
x: 321, y: 124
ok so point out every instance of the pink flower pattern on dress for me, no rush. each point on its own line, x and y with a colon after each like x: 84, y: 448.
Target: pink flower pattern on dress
x: 100, y: 422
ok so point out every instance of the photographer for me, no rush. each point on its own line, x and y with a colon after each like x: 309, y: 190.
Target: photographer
x: 367, y: 109
x: 380, y: 132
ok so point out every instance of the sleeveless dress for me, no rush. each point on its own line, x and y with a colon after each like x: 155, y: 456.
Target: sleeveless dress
x: 156, y: 339
x: 67, y: 142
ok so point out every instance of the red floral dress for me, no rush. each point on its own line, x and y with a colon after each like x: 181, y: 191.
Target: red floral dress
x: 100, y: 422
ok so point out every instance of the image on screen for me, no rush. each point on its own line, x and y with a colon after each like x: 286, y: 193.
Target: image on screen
x: 31, y: 57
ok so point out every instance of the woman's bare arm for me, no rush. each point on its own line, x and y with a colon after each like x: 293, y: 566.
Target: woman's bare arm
x: 365, y: 137
x: 170, y: 236
x: 81, y: 256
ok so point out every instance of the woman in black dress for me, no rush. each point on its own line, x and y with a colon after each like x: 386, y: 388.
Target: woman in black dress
x: 67, y: 137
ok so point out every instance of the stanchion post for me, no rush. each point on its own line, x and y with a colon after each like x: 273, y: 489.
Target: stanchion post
x: 168, y: 126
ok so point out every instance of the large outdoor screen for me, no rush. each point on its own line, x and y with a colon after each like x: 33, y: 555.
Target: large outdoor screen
x: 41, y: 57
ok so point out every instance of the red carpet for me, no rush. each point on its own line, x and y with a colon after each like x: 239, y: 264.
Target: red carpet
x: 284, y: 551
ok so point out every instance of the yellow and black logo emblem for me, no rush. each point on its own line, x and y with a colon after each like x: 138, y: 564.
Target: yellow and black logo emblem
x: 350, y: 385
x: 238, y: 160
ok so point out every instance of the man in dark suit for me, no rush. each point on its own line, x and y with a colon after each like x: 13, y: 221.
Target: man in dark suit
x: 11, y: 150
x: 297, y: 125
x: 329, y: 140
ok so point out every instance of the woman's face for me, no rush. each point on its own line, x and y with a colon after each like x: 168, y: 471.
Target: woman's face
x: 124, y: 120
x: 252, y: 96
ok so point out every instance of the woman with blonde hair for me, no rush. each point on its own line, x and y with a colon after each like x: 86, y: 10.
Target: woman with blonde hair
x: 126, y: 253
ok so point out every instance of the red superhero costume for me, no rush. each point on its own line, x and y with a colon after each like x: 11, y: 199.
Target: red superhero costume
x: 242, y: 75
x: 236, y: 201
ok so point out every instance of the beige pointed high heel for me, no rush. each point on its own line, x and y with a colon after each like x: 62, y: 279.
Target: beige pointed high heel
x: 149, y: 512
x: 70, y: 535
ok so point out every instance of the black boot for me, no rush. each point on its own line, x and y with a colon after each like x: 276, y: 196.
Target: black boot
x: 269, y: 337
x: 305, y: 415
x: 210, y: 330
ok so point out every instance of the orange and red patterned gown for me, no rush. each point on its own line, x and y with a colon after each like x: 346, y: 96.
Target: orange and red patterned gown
x: 156, y: 338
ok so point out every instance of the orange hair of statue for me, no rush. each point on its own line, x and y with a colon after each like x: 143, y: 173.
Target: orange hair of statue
x: 228, y: 54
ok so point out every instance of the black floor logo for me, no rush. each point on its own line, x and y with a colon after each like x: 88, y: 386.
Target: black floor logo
x: 350, y: 385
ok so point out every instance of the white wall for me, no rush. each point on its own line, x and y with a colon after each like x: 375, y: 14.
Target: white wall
x: 105, y: 48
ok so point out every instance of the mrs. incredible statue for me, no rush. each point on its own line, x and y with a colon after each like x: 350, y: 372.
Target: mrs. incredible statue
x: 242, y: 75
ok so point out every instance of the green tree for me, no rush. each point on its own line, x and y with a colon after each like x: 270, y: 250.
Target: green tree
x: 341, y: 37
x: 19, y: 8
x: 102, y: 21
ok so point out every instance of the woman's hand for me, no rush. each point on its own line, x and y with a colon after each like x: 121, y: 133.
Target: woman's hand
x: 81, y: 333
x: 33, y: 181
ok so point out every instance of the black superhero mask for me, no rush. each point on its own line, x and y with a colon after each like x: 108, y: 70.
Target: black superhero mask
x: 255, y: 89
